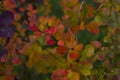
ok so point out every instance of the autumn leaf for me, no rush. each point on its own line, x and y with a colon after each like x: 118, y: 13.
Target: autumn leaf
x: 86, y: 69
x: 32, y: 52
x: 73, y: 55
x: 62, y: 50
x: 75, y: 29
x: 82, y: 26
x: 88, y: 51
x: 50, y: 42
x: 91, y: 11
x: 59, y: 74
x: 78, y: 47
x: 9, y: 4
x: 51, y: 30
x: 61, y: 43
x: 70, y: 39
x: 97, y: 44
x: 72, y: 75
x: 52, y: 21
x: 93, y: 27
x: 41, y: 40
x: 16, y: 59
x: 37, y: 33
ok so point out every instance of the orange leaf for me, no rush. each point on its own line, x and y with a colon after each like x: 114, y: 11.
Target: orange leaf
x: 82, y: 26
x: 62, y: 50
x: 9, y: 4
x: 78, y: 47
x: 61, y: 43
x: 69, y: 36
x: 75, y: 29
x: 91, y: 11
x: 70, y: 39
x: 74, y: 55
x: 93, y: 27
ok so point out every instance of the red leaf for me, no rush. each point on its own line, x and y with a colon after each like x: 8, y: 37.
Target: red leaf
x: 60, y: 74
x: 95, y: 30
x: 16, y: 59
x: 38, y: 33
x: 97, y: 44
x: 33, y: 28
x: 51, y: 30
x: 50, y: 42
x: 4, y: 58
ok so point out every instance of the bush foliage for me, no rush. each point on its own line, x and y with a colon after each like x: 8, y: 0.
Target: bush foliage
x: 59, y: 40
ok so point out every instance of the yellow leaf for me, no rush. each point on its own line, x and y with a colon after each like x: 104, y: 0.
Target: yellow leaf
x: 97, y: 18
x: 41, y: 27
x: 2, y: 77
x: 73, y: 75
x: 52, y: 21
x: 33, y: 54
x: 86, y: 69
x: 89, y: 51
x: 70, y: 39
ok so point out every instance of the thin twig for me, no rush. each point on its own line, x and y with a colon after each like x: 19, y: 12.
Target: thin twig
x: 99, y: 7
x: 47, y: 34
x: 95, y: 12
x: 55, y: 57
x: 80, y: 11
x: 43, y: 32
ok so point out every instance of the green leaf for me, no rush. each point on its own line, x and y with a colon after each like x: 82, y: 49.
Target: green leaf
x: 28, y: 32
x: 86, y: 69
x: 89, y: 50
x: 97, y: 18
x: 103, y: 32
x: 56, y: 9
x: 41, y: 40
x: 84, y: 37
x: 97, y: 64
x: 92, y: 2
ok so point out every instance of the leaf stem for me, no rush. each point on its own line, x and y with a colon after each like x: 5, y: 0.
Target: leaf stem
x: 55, y: 57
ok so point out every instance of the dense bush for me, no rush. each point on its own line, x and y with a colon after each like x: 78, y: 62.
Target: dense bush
x: 59, y: 40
